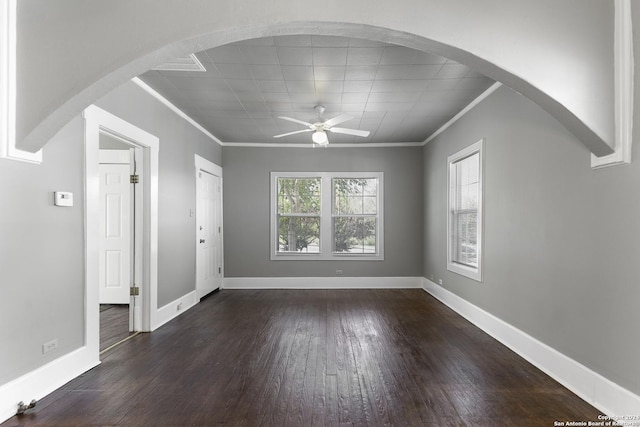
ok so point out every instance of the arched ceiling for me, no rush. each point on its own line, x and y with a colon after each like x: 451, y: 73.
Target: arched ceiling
x: 72, y: 52
x: 400, y: 95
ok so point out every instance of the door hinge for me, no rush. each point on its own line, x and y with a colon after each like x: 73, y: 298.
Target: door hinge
x: 134, y: 291
x: 219, y: 270
x: 134, y: 179
x: 219, y: 230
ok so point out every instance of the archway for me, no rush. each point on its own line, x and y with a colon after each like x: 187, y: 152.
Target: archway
x: 504, y: 43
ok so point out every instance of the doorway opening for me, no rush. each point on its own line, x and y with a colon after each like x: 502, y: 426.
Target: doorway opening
x: 121, y: 222
x: 120, y: 229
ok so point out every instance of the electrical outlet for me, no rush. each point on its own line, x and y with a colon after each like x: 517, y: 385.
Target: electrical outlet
x: 338, y: 272
x: 440, y: 281
x: 431, y: 277
x: 49, y: 346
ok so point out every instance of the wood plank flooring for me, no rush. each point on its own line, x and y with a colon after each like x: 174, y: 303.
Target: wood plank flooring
x: 312, y: 358
x: 114, y: 324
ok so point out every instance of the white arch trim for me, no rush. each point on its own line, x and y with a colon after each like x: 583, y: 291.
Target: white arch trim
x: 507, y: 52
x: 540, y: 69
x: 624, y: 75
x: 8, y: 149
x: 97, y: 120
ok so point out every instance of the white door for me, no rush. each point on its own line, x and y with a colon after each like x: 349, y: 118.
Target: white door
x: 115, y: 233
x: 208, y: 234
x: 216, y: 234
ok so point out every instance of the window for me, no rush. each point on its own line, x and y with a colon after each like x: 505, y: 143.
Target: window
x: 355, y: 215
x: 298, y: 215
x: 326, y: 215
x: 464, y: 222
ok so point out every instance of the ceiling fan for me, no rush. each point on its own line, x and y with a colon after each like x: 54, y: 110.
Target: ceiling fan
x: 321, y: 127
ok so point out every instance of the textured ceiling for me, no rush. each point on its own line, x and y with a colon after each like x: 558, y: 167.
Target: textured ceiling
x: 399, y: 94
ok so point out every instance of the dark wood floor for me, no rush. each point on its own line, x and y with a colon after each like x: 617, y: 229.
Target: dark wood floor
x: 317, y: 357
x: 114, y: 324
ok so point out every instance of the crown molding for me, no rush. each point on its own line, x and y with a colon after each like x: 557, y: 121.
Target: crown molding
x: 331, y: 145
x: 175, y: 109
x: 464, y: 111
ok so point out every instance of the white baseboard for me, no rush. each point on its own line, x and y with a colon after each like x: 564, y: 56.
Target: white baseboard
x: 605, y: 395
x: 44, y: 380
x: 175, y: 308
x: 322, y: 282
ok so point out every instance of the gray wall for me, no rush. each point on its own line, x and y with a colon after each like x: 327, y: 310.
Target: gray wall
x: 561, y: 240
x: 179, y: 141
x: 42, y: 246
x: 577, y: 291
x: 246, y: 209
x: 41, y: 255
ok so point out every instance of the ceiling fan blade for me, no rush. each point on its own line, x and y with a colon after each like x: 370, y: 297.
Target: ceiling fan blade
x: 292, y: 133
x: 355, y: 132
x: 291, y: 119
x: 337, y: 120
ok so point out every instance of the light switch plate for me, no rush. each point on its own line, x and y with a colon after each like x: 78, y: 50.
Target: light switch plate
x: 63, y: 198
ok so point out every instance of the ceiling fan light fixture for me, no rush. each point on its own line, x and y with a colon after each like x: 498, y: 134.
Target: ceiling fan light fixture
x: 320, y: 137
x: 321, y: 127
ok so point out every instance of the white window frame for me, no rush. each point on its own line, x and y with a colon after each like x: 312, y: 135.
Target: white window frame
x: 474, y: 273
x: 326, y: 218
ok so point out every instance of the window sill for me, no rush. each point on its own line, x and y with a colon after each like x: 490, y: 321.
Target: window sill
x: 463, y: 270
x: 320, y: 257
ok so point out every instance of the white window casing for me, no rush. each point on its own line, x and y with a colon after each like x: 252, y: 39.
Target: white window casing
x: 324, y: 247
x: 465, y: 212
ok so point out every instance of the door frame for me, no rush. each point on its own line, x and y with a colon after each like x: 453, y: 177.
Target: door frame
x: 202, y: 164
x: 99, y: 121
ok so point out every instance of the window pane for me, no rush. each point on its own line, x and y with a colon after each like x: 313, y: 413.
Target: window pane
x: 354, y: 235
x: 465, y: 187
x: 473, y: 165
x: 299, y: 234
x: 355, y: 196
x: 299, y: 196
x: 468, y: 196
x: 466, y: 231
x: 468, y: 169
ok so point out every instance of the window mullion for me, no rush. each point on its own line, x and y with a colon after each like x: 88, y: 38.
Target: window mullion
x: 326, y: 219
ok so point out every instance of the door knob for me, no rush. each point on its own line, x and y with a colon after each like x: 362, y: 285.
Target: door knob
x: 201, y: 240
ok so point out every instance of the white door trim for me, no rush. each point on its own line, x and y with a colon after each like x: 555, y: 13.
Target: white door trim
x: 207, y: 166
x: 96, y: 121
